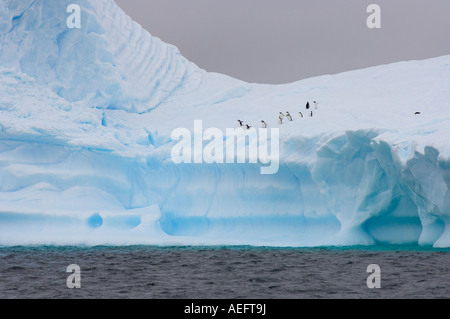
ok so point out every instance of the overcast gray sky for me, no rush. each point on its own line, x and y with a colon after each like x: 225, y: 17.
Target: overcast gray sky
x: 280, y: 41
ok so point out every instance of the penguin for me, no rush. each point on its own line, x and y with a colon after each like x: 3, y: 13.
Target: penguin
x: 282, y: 115
x: 280, y: 119
x: 301, y: 114
x: 289, y: 117
x: 311, y: 114
x: 316, y: 105
x: 248, y: 126
x: 241, y: 123
x: 307, y: 105
x: 264, y: 124
x: 417, y: 113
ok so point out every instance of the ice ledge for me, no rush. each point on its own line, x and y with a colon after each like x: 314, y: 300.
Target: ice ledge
x: 356, y: 192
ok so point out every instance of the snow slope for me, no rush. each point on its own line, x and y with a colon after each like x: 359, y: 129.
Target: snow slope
x: 86, y: 117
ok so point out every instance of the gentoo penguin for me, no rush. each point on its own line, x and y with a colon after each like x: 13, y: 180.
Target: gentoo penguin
x: 307, y: 105
x: 417, y: 113
x: 240, y: 122
x: 316, y: 105
x: 280, y: 119
x: 311, y: 114
x: 301, y: 114
x: 289, y: 117
x: 264, y: 124
x: 248, y: 126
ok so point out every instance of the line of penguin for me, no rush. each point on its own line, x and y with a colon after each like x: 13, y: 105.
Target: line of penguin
x: 281, y: 116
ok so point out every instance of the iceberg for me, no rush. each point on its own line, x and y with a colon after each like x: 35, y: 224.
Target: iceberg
x: 86, y: 117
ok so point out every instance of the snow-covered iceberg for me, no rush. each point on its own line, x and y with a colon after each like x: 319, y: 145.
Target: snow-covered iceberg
x: 86, y: 117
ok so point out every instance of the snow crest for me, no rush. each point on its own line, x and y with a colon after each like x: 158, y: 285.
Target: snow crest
x: 111, y: 61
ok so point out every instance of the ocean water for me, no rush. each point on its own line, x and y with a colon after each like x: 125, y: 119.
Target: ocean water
x: 147, y: 272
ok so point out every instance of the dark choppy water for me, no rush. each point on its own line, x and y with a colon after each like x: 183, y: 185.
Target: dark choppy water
x: 226, y: 272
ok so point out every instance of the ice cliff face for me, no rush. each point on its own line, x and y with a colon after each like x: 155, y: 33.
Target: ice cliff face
x: 86, y: 117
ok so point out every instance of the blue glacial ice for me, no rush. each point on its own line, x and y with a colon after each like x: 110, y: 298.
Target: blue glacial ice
x: 86, y: 117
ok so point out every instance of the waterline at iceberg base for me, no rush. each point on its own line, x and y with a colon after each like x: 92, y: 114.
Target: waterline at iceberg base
x: 86, y: 117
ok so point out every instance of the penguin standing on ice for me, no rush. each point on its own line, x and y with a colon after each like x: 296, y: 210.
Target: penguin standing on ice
x: 311, y: 114
x: 241, y: 123
x: 289, y: 117
x: 307, y: 105
x: 264, y: 124
x: 248, y: 126
x: 280, y: 118
x: 301, y: 114
x: 316, y: 105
